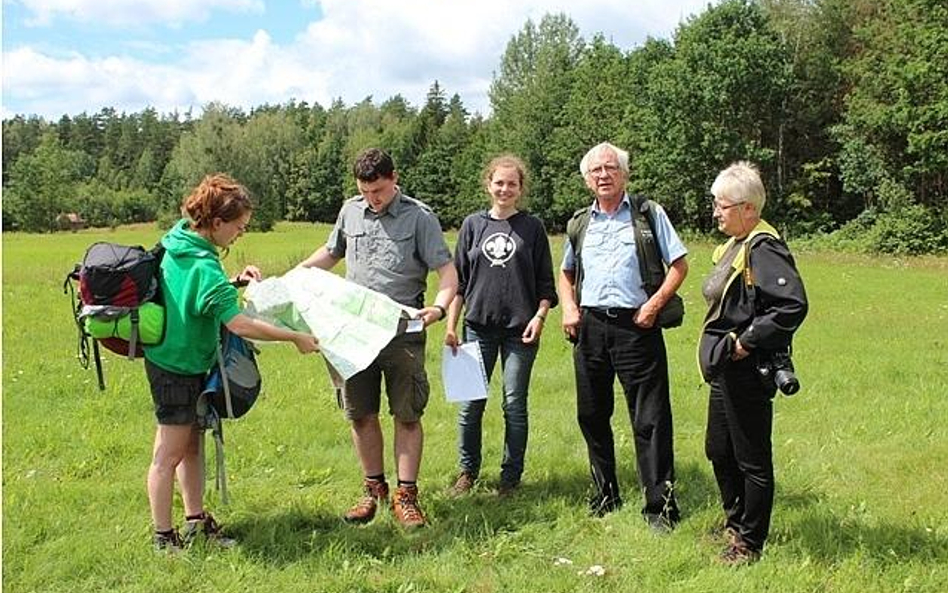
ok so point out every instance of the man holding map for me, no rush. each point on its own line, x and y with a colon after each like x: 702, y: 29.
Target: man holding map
x: 390, y: 243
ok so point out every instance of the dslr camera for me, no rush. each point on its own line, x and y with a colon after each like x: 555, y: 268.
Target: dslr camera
x: 779, y: 368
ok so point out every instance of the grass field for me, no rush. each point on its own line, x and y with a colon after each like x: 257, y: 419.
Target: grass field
x: 862, y: 477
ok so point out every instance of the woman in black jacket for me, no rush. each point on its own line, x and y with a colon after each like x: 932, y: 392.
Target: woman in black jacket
x: 756, y: 301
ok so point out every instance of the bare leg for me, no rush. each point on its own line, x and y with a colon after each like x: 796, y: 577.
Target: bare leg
x: 367, y: 438
x: 191, y: 474
x: 409, y: 439
x: 171, y: 444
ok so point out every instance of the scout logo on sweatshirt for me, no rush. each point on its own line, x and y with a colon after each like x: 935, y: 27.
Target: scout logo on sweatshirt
x: 498, y: 248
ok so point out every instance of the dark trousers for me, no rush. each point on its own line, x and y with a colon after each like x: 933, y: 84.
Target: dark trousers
x: 738, y: 444
x: 611, y: 345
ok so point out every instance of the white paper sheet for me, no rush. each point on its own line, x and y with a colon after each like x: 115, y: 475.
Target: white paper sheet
x: 463, y: 374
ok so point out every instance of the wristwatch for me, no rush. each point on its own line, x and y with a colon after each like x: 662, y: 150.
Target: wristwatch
x: 444, y: 312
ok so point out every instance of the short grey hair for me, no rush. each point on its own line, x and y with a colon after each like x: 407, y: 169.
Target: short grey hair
x: 621, y: 156
x: 740, y: 182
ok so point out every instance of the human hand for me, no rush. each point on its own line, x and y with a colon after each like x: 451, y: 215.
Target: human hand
x: 531, y: 334
x: 305, y: 343
x: 571, y: 319
x: 431, y: 314
x: 647, y: 314
x: 739, y: 351
x: 451, y: 339
x: 247, y: 274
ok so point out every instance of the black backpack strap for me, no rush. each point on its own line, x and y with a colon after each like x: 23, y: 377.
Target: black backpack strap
x: 649, y: 252
x: 576, y: 233
x: 220, y: 479
x: 576, y: 229
x: 83, y: 338
x: 98, y: 364
x: 133, y: 334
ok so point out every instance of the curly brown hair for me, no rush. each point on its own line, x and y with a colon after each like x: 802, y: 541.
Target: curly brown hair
x: 217, y: 196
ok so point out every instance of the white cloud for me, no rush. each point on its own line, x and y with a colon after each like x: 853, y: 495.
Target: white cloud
x: 132, y: 12
x: 72, y: 84
x: 359, y: 48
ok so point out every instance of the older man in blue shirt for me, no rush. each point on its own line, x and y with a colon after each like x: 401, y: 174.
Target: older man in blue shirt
x: 612, y: 321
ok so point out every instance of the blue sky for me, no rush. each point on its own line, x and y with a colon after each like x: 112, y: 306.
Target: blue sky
x: 73, y: 56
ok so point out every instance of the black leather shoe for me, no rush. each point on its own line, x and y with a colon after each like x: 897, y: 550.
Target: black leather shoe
x: 600, y: 506
x: 660, y: 524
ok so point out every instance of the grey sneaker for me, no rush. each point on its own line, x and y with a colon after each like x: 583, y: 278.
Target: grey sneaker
x: 168, y: 541
x: 210, y: 529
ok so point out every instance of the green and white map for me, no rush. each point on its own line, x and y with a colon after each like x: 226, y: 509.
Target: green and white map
x: 351, y: 322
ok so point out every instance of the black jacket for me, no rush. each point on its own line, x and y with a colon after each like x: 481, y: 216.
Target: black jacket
x: 763, y: 304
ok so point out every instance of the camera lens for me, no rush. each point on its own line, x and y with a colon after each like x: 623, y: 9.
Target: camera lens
x: 786, y: 382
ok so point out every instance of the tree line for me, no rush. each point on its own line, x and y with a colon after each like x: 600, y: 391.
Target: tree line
x: 842, y: 103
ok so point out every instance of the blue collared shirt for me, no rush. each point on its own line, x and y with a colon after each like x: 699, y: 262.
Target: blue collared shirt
x: 611, y: 276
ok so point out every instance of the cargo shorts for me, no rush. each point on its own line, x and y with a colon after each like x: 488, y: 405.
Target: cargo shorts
x: 175, y: 396
x: 402, y: 365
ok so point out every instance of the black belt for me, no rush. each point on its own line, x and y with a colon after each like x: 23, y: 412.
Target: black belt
x: 611, y: 313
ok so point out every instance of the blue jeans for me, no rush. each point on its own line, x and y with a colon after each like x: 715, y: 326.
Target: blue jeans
x: 516, y: 362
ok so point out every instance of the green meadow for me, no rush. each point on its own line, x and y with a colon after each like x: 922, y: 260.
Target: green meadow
x: 862, y: 476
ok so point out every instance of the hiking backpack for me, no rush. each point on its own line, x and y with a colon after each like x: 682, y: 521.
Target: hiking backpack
x: 119, y: 301
x: 230, y: 390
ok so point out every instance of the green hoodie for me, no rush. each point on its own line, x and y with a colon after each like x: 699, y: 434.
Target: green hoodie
x: 198, y: 299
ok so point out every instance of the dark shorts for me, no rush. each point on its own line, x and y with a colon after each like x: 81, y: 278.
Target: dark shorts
x: 402, y: 364
x: 175, y: 395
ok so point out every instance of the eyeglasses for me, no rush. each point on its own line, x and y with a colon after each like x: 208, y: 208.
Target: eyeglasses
x: 608, y: 169
x: 718, y: 206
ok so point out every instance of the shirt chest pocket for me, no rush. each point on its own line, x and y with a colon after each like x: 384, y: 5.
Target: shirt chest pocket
x: 626, y: 239
x: 593, y: 241
x: 610, y: 250
x: 610, y: 242
x: 390, y: 249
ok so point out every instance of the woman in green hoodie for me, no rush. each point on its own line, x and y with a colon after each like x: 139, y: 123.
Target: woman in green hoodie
x: 199, y: 298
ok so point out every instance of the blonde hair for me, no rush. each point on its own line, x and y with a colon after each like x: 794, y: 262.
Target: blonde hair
x: 739, y: 183
x: 217, y: 196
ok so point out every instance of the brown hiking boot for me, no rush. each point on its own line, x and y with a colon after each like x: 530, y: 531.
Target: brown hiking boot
x: 406, y: 509
x: 364, y: 510
x: 739, y: 553
x: 463, y: 484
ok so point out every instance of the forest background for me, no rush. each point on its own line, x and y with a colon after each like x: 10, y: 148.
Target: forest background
x: 843, y: 104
